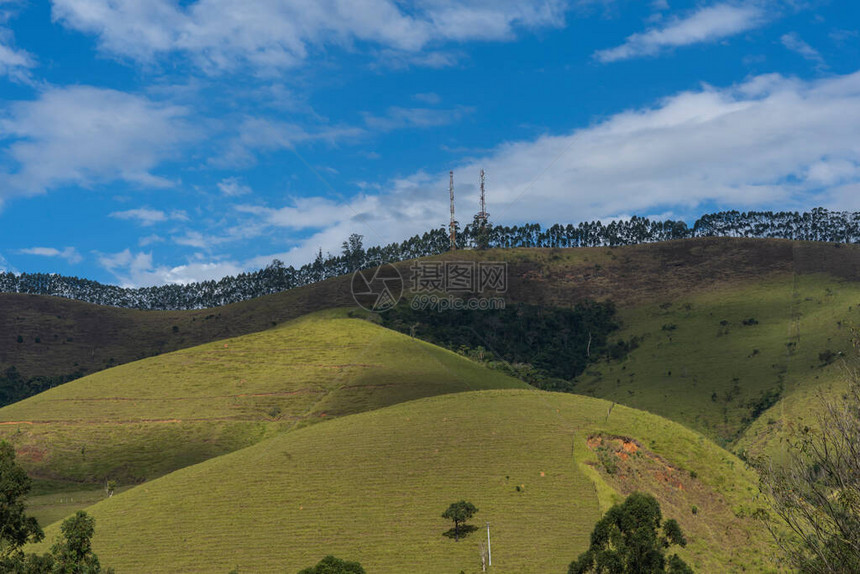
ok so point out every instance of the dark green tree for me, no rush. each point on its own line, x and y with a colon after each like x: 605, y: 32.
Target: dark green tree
x: 481, y: 231
x: 629, y: 540
x: 22, y: 563
x: 16, y: 528
x: 353, y: 252
x: 73, y: 553
x: 459, y: 512
x: 332, y: 565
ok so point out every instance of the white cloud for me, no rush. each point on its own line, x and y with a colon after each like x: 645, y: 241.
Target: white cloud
x: 137, y: 269
x: 83, y: 136
x: 771, y: 141
x: 707, y: 24
x: 220, y: 35
x: 233, y: 187
x: 70, y: 254
x: 146, y: 217
x: 794, y: 43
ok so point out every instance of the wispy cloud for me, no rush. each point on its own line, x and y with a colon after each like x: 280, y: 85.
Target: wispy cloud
x: 70, y: 254
x: 260, y: 134
x: 794, y: 43
x: 707, y: 24
x: 233, y: 187
x: 429, y: 98
x: 306, y: 213
x: 146, y: 217
x: 149, y: 240
x: 399, y: 118
x: 15, y: 63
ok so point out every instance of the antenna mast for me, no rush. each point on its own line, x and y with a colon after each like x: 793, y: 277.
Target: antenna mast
x: 452, y: 228
x: 482, y: 215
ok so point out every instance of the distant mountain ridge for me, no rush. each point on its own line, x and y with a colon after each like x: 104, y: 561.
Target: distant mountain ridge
x: 818, y: 224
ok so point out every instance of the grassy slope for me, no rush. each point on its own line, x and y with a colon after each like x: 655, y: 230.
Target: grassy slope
x: 372, y: 486
x: 150, y: 417
x: 766, y: 435
x: 707, y: 375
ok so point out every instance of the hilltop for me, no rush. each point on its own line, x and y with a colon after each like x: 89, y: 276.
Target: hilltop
x: 144, y: 419
x: 371, y: 487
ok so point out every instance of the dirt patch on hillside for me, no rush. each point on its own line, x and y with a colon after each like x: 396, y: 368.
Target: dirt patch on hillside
x: 640, y: 460
x: 30, y: 454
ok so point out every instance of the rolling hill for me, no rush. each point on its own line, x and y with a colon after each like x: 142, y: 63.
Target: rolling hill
x: 372, y: 486
x: 147, y: 418
x: 717, y: 360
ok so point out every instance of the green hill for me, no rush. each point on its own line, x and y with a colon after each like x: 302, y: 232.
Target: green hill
x: 147, y: 418
x: 371, y: 487
x: 717, y: 360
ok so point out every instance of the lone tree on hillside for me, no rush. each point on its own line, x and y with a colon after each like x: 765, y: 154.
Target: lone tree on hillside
x: 629, y: 540
x: 332, y: 565
x: 816, y: 495
x: 459, y: 512
x: 73, y: 553
x: 16, y: 528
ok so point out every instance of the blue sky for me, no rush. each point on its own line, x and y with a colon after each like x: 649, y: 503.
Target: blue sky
x: 145, y: 142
